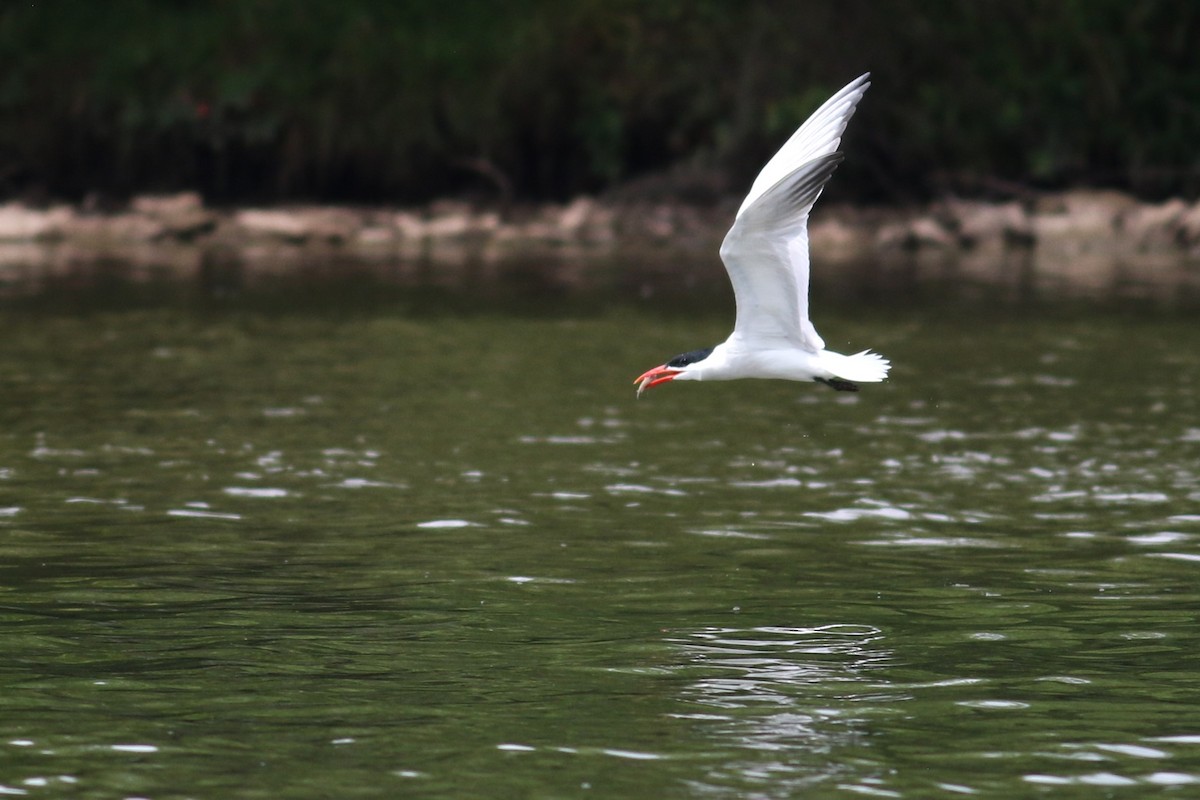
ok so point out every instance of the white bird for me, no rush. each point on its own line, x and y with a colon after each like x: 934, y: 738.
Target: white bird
x: 766, y: 256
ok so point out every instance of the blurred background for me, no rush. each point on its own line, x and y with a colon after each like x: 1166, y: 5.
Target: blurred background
x: 541, y: 100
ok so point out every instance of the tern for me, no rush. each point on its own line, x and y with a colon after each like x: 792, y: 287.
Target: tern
x: 766, y: 256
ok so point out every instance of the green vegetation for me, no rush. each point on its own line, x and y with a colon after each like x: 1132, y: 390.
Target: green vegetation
x: 404, y: 101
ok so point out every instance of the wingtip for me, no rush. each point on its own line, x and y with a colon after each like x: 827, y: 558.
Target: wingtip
x: 860, y: 84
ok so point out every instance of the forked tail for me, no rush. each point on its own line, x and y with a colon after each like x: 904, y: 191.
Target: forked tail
x: 864, y: 367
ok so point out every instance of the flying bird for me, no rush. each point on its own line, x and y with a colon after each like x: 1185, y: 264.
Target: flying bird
x: 766, y: 256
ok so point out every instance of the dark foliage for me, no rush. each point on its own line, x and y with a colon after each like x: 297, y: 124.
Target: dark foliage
x: 368, y: 100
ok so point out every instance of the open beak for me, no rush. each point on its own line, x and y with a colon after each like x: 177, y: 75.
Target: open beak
x: 654, y: 377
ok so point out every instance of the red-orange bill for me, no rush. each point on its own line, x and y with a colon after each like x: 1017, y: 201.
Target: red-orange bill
x: 653, y: 377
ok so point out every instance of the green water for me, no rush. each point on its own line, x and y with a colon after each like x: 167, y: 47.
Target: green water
x: 370, y: 544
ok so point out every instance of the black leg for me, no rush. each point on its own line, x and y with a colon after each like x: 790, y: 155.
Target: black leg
x: 839, y: 384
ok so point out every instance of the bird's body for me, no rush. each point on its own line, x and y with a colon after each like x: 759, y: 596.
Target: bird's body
x: 766, y: 256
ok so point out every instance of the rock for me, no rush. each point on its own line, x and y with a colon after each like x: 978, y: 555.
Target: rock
x: 448, y: 220
x: 1080, y: 221
x: 658, y: 222
x: 1086, y: 202
x: 448, y: 226
x: 18, y: 223
x: 977, y: 223
x: 1153, y: 226
x: 449, y: 208
x: 487, y: 222
x: 282, y: 225
x: 574, y: 216
x: 332, y: 224
x: 837, y: 240
x: 1081, y: 212
x: 165, y: 205
x: 181, y: 216
x: 914, y: 234
x: 1187, y: 228
x: 375, y: 235
x: 927, y: 231
x: 114, y: 228
x: 409, y: 225
x: 298, y: 225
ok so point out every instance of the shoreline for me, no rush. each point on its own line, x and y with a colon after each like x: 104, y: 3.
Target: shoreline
x: 1079, y: 243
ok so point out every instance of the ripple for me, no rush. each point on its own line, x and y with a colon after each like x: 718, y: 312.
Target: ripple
x: 1132, y: 497
x: 364, y: 483
x: 854, y: 514
x: 994, y: 705
x: 1092, y: 779
x: 284, y: 411
x: 637, y: 488
x: 523, y: 579
x: 199, y: 514
x: 1134, y: 750
x: 730, y: 533
x: 1171, y: 778
x: 633, y: 755
x: 569, y: 440
x: 1070, y: 680
x: 1162, y: 537
x: 446, y: 524
x: 772, y: 483
x: 1176, y: 556
x: 263, y: 491
x: 934, y: 437
x: 931, y: 541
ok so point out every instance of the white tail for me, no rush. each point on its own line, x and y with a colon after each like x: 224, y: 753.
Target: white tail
x: 864, y: 367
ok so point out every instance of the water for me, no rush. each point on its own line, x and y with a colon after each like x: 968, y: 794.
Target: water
x: 362, y: 540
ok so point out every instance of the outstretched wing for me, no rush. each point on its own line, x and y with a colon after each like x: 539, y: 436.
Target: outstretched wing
x: 766, y: 250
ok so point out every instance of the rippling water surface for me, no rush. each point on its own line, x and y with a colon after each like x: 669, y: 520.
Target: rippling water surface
x: 352, y: 547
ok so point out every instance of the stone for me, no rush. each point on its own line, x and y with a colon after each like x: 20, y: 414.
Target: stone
x: 298, y: 225
x: 19, y: 223
x: 273, y: 224
x: 127, y: 227
x: 1081, y: 212
x: 1153, y: 226
x: 836, y: 239
x: 574, y: 216
x: 449, y: 225
x: 408, y: 225
x: 914, y: 234
x: 1081, y: 221
x: 181, y: 216
x: 165, y: 205
x: 1188, y: 228
x: 977, y: 223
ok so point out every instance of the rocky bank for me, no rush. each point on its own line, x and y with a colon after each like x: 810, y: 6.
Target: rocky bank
x: 1079, y: 240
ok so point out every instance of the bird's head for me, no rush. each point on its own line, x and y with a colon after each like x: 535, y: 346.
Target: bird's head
x: 677, y: 367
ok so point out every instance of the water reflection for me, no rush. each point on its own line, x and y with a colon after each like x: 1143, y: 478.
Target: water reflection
x: 798, y: 697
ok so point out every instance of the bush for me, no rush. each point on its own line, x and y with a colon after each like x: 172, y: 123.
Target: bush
x: 367, y: 100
